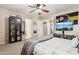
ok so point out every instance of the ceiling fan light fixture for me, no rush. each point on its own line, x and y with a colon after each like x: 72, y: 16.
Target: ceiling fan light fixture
x: 38, y: 11
x: 41, y: 6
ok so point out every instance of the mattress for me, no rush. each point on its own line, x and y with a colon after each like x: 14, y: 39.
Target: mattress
x: 55, y: 46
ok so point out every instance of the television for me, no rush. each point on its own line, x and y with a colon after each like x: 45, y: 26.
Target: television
x: 64, y: 26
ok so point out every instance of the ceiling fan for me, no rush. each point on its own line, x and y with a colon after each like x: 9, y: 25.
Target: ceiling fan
x: 39, y: 8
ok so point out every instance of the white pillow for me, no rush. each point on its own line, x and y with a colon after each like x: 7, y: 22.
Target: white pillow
x: 74, y: 42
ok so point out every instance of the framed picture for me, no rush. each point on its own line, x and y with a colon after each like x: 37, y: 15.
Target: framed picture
x: 71, y: 17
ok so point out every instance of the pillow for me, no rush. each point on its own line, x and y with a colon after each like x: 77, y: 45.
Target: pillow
x: 74, y: 42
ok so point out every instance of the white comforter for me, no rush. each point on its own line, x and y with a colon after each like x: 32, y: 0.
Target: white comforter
x: 55, y: 46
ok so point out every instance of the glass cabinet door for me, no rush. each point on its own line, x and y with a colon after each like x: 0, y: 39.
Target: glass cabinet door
x: 19, y: 29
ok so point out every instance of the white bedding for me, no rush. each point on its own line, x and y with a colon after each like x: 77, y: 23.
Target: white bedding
x: 55, y: 46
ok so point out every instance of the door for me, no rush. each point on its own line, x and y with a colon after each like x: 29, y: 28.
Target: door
x: 44, y: 28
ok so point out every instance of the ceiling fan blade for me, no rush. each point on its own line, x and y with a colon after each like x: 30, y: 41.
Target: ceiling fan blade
x: 47, y: 11
x: 31, y: 11
x: 32, y: 6
x: 43, y: 5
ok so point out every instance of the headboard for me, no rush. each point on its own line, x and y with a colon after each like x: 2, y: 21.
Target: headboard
x: 70, y: 37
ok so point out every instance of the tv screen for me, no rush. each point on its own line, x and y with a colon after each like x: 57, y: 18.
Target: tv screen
x: 64, y: 26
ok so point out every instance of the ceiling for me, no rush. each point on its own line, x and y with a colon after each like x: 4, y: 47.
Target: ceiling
x: 53, y: 9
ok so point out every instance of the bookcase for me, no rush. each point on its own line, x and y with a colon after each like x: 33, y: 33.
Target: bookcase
x: 15, y: 29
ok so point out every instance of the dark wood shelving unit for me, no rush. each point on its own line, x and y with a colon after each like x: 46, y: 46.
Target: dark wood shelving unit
x: 15, y: 28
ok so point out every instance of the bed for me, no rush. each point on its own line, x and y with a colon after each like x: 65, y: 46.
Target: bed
x: 55, y: 46
x: 50, y: 46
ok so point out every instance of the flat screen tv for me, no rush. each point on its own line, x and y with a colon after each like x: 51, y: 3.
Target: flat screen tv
x: 64, y: 26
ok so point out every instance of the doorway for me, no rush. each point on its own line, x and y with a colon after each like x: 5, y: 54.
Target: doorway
x: 44, y: 28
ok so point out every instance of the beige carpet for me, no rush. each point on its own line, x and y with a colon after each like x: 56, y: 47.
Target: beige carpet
x: 14, y: 48
x: 11, y: 49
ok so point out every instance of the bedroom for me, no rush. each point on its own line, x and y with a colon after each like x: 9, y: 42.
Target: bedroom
x: 39, y: 28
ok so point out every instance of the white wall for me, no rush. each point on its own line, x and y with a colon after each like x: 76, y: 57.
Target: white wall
x: 28, y: 28
x: 5, y: 13
x: 48, y: 27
